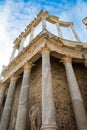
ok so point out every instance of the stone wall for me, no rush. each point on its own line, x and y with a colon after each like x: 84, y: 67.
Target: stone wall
x: 81, y: 75
x: 64, y: 110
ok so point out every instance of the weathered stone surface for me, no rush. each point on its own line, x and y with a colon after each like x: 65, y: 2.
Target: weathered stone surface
x: 52, y: 78
x: 15, y: 105
x: 64, y: 111
x: 23, y: 101
x: 48, y: 108
x: 8, y: 104
x: 2, y: 93
x: 76, y: 97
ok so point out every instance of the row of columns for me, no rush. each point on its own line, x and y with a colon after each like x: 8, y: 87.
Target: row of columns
x: 44, y: 26
x: 48, y: 107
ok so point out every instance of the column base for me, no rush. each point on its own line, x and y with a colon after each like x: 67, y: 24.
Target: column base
x: 48, y: 127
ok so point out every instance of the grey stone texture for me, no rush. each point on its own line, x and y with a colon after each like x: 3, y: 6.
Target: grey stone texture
x: 78, y: 106
x: 8, y: 105
x: 65, y: 117
x: 23, y: 101
x: 48, y: 108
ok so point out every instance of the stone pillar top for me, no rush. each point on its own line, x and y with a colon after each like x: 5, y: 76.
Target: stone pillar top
x: 28, y: 65
x: 2, y: 86
x: 14, y: 77
x: 66, y: 59
x: 32, y: 27
x: 45, y: 50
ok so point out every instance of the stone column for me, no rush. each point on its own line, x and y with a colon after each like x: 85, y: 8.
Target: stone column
x: 74, y: 33
x: 59, y: 30
x: 44, y: 22
x: 13, y: 54
x: 2, y: 93
x: 0, y: 77
x: 23, y: 101
x: 8, y: 104
x: 78, y: 106
x: 32, y: 34
x: 21, y: 45
x: 48, y: 108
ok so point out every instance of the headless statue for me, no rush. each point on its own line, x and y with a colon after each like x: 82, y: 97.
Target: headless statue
x: 34, y: 117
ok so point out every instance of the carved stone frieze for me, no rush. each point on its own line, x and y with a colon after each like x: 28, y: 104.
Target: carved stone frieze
x: 45, y: 50
x: 35, y: 48
x: 78, y: 47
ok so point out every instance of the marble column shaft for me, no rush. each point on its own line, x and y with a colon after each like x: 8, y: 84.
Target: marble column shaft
x: 2, y: 94
x: 13, y: 54
x: 32, y: 34
x: 74, y: 34
x: 43, y: 22
x: 78, y: 106
x: 8, y: 104
x: 21, y: 45
x: 59, y: 30
x: 48, y: 108
x: 23, y: 101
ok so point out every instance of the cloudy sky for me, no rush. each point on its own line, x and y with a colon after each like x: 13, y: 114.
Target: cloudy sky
x: 15, y: 15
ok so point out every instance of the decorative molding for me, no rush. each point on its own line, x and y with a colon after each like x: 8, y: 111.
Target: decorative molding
x: 28, y: 65
x: 14, y: 77
x: 66, y: 59
x: 45, y: 49
x: 56, y: 44
x: 78, y: 47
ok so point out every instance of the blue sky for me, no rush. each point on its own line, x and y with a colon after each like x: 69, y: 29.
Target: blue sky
x: 15, y: 15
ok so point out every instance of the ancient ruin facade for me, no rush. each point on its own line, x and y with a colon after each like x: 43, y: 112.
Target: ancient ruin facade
x: 45, y: 85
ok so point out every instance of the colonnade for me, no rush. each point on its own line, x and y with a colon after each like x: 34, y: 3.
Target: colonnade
x: 48, y: 107
x: 44, y: 26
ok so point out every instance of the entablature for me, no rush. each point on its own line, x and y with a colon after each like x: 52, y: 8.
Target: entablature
x: 55, y: 44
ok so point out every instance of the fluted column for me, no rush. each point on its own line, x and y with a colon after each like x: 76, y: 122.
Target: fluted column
x: 43, y: 22
x: 74, y: 33
x: 13, y: 54
x: 21, y: 45
x: 2, y: 93
x: 78, y: 106
x: 8, y: 104
x: 23, y: 101
x: 48, y: 108
x: 32, y: 34
x: 59, y: 30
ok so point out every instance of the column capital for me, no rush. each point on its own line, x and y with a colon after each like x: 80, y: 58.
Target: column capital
x: 23, y: 38
x: 57, y: 23
x: 45, y: 50
x: 28, y: 65
x: 66, y: 59
x: 32, y: 28
x: 71, y: 25
x: 14, y: 77
x: 2, y: 86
